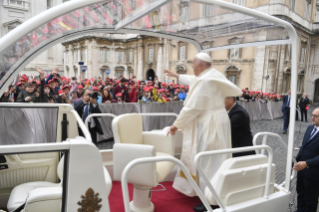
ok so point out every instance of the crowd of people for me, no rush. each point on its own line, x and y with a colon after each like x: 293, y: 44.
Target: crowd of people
x: 53, y: 88
x: 258, y: 96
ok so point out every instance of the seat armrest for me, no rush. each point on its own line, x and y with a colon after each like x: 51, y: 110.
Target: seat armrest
x: 49, y: 198
x: 142, y: 174
x: 160, y: 141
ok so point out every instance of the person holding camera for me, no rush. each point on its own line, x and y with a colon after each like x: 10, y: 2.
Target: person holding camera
x: 29, y: 95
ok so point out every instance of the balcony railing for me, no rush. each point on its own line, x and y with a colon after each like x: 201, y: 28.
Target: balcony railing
x: 19, y: 4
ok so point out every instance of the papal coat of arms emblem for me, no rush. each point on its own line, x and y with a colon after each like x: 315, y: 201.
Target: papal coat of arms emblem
x: 90, y: 202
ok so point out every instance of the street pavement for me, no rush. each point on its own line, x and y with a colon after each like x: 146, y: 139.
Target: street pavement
x: 280, y: 152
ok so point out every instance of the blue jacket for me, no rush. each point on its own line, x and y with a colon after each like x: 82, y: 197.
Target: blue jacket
x: 309, y: 152
x: 49, y: 78
x: 182, y: 96
x: 99, y: 99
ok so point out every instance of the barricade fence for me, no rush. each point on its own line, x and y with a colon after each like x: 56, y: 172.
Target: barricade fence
x: 39, y: 125
x: 256, y: 111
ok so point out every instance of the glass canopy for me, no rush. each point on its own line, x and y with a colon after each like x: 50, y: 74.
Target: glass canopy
x: 223, y: 24
x: 199, y: 23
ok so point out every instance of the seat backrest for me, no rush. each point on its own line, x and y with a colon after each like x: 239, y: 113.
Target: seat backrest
x: 60, y: 168
x: 128, y: 128
x: 141, y: 174
x: 240, y: 179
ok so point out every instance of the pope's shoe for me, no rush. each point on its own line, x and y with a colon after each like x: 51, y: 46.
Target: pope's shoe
x: 202, y: 208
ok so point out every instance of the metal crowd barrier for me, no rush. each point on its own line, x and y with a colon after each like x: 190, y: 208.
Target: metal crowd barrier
x: 256, y: 111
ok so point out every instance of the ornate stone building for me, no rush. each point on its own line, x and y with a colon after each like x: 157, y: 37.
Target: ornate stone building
x: 15, y: 12
x: 127, y: 55
x: 265, y: 68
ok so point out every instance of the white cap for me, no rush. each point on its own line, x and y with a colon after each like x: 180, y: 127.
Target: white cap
x: 204, y: 57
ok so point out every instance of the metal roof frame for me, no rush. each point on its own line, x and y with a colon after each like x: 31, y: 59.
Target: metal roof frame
x: 69, y: 6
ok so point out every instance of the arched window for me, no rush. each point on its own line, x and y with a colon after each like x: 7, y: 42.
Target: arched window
x: 286, y: 81
x: 102, y: 70
x: 119, y: 71
x: 300, y: 83
x: 233, y: 74
x: 130, y: 72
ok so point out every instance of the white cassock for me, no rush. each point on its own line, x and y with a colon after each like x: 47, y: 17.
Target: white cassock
x: 205, y: 125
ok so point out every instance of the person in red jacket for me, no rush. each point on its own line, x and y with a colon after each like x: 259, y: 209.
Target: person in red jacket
x: 133, y: 92
x: 121, y: 88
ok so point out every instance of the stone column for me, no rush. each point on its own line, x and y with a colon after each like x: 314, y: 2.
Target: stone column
x: 259, y: 64
x: 135, y: 61
x: 310, y: 78
x: 258, y: 68
x: 140, y: 60
x: 279, y: 73
x: 77, y: 62
x: 126, y: 76
x: 273, y: 60
x: 94, y: 57
x: 160, y: 61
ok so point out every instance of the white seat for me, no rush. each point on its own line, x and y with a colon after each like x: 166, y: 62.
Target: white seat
x: 20, y: 193
x: 240, y: 179
x: 178, y: 141
x: 131, y: 143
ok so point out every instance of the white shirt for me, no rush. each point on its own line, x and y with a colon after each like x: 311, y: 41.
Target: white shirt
x: 315, y: 132
x: 90, y: 120
x: 289, y: 100
x: 231, y: 108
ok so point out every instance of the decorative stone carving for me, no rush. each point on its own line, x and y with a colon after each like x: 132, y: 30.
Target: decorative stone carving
x: 90, y: 202
x: 181, y: 69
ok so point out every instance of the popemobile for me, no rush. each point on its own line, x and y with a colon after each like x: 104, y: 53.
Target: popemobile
x: 71, y: 174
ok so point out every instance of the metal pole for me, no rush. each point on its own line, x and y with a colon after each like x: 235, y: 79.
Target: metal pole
x: 157, y: 159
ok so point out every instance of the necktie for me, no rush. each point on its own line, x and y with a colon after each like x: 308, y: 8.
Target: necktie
x: 288, y: 103
x: 312, y: 134
x: 86, y: 112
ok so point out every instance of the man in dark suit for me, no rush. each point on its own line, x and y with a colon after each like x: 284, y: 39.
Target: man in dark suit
x: 240, y: 134
x: 286, y: 111
x: 308, y: 168
x: 86, y: 107
x: 304, y: 101
x: 240, y: 126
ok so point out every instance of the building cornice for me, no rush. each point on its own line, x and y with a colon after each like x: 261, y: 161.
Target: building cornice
x: 295, y: 24
x: 90, y: 37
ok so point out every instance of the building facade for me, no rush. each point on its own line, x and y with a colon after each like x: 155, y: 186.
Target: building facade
x: 263, y: 68
x: 15, y: 12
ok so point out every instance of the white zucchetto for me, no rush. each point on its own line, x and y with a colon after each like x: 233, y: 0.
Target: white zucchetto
x: 204, y: 57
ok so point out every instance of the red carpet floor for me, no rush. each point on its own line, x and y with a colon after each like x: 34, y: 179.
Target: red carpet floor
x: 169, y: 200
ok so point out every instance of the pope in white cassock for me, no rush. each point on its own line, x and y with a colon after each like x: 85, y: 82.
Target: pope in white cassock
x: 203, y: 120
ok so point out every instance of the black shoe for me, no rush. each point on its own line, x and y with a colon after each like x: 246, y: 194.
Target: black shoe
x: 284, y: 132
x: 202, y: 208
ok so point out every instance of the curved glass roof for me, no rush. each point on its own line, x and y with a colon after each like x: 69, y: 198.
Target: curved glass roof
x: 193, y: 21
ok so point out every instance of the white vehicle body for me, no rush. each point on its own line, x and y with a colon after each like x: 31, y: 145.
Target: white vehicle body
x: 84, y: 167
